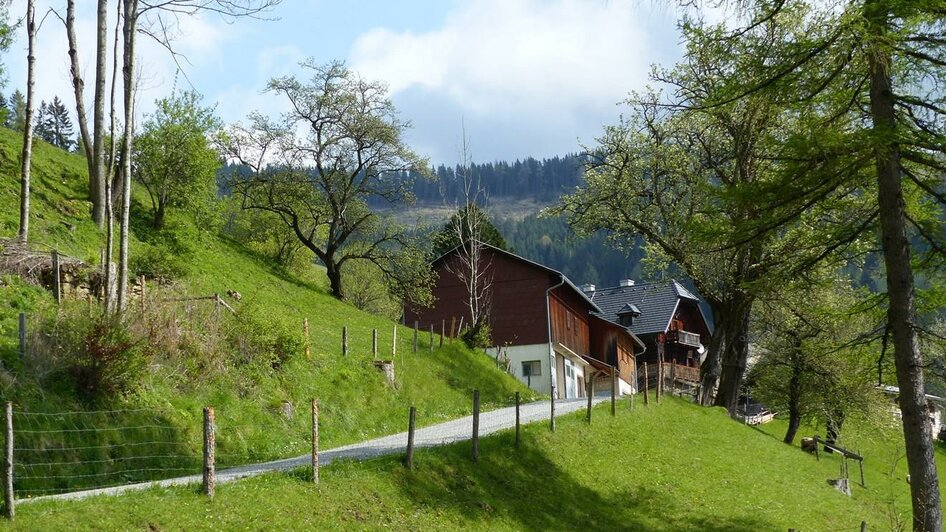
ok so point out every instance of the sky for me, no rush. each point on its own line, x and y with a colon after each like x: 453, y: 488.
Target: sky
x: 522, y: 78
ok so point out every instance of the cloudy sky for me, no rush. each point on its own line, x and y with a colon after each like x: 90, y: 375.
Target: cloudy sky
x: 524, y: 77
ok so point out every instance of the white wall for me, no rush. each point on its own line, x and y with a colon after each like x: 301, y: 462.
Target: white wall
x: 517, y: 354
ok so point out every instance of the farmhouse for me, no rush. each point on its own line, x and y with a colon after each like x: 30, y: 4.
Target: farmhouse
x: 545, y: 330
x: 666, y: 316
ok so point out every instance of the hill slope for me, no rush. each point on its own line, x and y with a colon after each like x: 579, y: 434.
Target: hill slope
x: 249, y: 367
x: 673, y: 466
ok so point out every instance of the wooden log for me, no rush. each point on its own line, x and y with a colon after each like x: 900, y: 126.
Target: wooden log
x: 210, y: 445
x: 345, y: 341
x: 8, y: 501
x: 476, y: 426
x: 409, y: 458
x: 518, y: 436
x: 415, y: 336
x: 57, y: 284
x: 374, y: 343
x: 315, y: 441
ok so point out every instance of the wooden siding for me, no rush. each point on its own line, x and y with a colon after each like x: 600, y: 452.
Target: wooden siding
x: 570, y: 325
x: 517, y: 314
x: 615, y: 346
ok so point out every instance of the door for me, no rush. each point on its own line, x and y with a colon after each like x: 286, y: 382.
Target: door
x: 570, y: 391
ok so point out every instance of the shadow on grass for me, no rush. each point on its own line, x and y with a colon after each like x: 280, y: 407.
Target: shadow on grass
x: 530, y: 489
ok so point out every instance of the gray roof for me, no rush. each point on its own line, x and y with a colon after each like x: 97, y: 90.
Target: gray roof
x: 656, y: 302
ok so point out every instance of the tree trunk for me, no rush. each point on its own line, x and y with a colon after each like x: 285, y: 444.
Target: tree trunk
x: 735, y: 354
x: 27, y: 155
x: 917, y: 433
x: 78, y: 86
x: 794, y: 400
x: 159, y: 216
x: 129, y: 21
x: 710, y: 368
x: 98, y: 113
x: 334, y: 277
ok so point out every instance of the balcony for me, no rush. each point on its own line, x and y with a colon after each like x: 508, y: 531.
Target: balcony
x: 684, y: 338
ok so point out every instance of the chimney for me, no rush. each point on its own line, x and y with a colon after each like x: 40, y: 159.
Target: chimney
x: 626, y: 282
x: 588, y: 289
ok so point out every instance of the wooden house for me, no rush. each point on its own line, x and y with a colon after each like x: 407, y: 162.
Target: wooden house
x: 543, y: 327
x: 666, y: 316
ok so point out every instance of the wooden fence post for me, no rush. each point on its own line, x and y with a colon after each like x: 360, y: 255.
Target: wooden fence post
x: 374, y: 343
x: 863, y: 526
x: 210, y: 444
x: 443, y: 330
x: 476, y: 426
x: 518, y: 438
x: 305, y: 333
x: 8, y: 503
x: 660, y: 375
x: 453, y: 323
x: 345, y: 341
x: 646, y: 386
x: 315, y: 441
x: 143, y: 281
x: 409, y: 459
x: 673, y: 378
x: 22, y: 329
x: 57, y: 284
x: 614, y: 387
x: 589, y: 386
x: 431, y: 337
x: 415, y: 336
x: 394, y: 342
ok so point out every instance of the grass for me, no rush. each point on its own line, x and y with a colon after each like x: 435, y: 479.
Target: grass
x: 248, y: 393
x: 673, y: 466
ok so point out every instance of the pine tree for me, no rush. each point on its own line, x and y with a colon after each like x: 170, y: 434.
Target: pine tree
x: 41, y: 127
x: 59, y: 125
x: 18, y: 108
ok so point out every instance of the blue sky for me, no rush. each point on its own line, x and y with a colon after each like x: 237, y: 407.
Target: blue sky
x: 524, y: 77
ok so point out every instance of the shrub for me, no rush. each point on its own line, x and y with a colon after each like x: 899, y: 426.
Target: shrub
x: 477, y: 338
x: 111, y: 363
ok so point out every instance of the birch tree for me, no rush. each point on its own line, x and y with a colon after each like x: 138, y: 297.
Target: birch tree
x: 27, y: 153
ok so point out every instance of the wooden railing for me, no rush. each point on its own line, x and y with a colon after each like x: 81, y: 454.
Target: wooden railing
x: 681, y: 373
x: 685, y: 338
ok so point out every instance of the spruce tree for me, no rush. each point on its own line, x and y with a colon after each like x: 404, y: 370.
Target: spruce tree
x: 59, y: 125
x: 18, y: 108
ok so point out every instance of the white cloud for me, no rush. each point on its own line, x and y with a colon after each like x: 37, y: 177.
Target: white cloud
x: 557, y: 64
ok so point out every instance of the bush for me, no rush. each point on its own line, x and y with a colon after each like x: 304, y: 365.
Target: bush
x: 111, y: 364
x: 477, y: 338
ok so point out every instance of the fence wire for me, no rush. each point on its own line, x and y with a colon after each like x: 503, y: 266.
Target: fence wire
x: 61, y: 452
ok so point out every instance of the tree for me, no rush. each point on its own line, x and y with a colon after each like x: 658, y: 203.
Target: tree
x: 174, y: 158
x: 867, y: 76
x: 58, y: 125
x: 17, y: 111
x: 468, y: 220
x: 316, y: 167
x: 817, y: 348
x: 27, y: 153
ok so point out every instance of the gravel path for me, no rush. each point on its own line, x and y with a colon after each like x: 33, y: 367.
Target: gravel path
x: 440, y: 434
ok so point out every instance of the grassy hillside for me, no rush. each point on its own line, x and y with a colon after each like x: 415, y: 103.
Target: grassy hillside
x: 247, y: 366
x: 672, y: 466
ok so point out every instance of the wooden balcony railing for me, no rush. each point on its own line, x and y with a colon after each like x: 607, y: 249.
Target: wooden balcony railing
x: 684, y: 338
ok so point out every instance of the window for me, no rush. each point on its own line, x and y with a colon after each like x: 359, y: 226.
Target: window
x: 531, y: 368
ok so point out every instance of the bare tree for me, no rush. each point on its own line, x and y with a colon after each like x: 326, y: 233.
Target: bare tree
x: 470, y: 264
x: 26, y: 157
